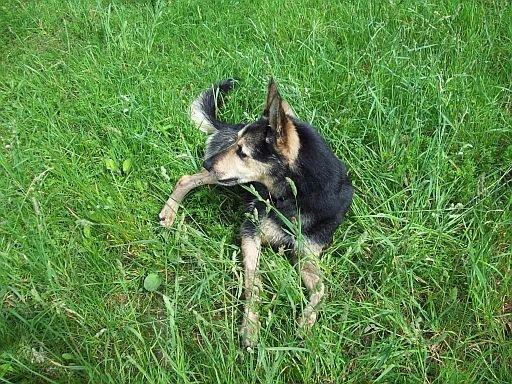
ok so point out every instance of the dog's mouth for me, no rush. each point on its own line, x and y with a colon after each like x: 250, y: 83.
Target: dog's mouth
x: 228, y: 182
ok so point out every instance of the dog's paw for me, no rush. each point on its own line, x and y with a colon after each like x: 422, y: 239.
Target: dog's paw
x: 249, y: 331
x: 307, y: 320
x: 167, y: 216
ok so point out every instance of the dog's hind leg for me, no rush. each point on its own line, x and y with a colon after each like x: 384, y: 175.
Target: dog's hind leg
x: 312, y: 278
x: 251, y: 245
x: 184, y: 185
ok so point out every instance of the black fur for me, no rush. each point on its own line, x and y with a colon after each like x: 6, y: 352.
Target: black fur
x: 212, y: 99
x: 324, y: 191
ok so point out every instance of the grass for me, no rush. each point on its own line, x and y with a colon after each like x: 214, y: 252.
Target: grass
x: 415, y: 97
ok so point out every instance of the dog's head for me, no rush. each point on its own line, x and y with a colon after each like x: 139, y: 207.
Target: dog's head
x: 262, y: 149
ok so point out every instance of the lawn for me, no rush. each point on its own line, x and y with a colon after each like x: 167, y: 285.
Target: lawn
x: 415, y: 97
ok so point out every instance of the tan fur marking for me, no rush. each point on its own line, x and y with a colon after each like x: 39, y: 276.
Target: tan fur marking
x: 185, y: 184
x: 227, y: 160
x: 229, y: 165
x: 287, y: 108
x: 312, y: 278
x: 309, y: 248
x: 272, y: 233
x: 250, y: 323
x: 251, y: 252
x: 289, y: 143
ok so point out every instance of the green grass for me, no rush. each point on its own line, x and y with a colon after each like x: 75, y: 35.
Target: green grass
x: 415, y: 97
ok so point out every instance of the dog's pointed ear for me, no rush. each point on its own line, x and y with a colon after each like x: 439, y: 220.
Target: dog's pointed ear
x: 281, y: 124
x: 277, y: 110
x: 271, y: 93
x: 277, y: 119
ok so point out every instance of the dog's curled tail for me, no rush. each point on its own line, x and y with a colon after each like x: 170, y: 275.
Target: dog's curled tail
x: 203, y: 111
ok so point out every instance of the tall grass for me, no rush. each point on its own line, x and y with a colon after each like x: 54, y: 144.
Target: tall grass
x: 415, y: 97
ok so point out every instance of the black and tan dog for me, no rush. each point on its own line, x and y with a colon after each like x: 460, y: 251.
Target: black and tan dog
x: 292, y: 170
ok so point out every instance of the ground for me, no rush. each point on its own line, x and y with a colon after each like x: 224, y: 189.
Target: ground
x: 415, y: 97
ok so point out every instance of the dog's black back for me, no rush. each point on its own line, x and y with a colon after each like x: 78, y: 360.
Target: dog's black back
x: 324, y: 191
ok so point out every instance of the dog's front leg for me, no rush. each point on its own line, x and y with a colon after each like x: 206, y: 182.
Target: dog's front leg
x: 251, y: 245
x: 308, y: 264
x: 184, y: 185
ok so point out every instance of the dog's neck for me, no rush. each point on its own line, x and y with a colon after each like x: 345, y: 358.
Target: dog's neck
x: 278, y: 188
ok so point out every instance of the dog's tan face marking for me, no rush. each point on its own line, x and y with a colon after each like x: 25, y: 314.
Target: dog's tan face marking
x: 261, y: 147
x: 238, y: 162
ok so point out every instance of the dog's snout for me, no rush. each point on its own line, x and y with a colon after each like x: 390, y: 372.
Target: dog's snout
x: 208, y: 164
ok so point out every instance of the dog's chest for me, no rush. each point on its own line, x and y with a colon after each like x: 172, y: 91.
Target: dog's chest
x: 273, y: 233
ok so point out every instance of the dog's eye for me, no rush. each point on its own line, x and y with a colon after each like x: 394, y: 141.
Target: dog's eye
x: 240, y: 153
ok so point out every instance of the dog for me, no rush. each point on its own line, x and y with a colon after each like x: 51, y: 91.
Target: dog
x: 296, y: 182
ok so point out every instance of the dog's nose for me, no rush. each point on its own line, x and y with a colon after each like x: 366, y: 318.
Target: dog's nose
x: 208, y: 164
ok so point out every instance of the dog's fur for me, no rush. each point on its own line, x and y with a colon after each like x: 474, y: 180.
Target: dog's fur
x: 292, y: 168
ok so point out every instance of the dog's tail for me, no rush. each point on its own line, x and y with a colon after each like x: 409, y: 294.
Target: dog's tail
x: 203, y: 111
